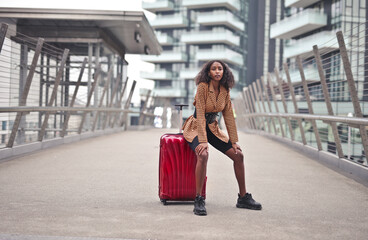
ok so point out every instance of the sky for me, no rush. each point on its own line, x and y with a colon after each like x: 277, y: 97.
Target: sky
x: 135, y: 64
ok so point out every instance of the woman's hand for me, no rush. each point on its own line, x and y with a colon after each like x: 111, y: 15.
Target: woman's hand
x: 236, y: 148
x: 201, y: 148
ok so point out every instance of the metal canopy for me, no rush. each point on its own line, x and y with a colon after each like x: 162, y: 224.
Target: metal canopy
x: 122, y: 31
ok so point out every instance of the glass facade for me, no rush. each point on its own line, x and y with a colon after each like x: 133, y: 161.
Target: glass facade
x: 202, y: 30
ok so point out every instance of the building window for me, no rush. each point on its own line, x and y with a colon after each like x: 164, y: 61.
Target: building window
x: 3, y: 125
x: 163, y: 84
x: 336, y: 14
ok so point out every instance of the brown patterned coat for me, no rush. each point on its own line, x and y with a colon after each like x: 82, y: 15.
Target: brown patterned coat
x: 204, y: 102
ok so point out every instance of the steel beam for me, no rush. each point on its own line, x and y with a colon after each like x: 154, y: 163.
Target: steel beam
x: 25, y: 92
x: 291, y: 87
x: 275, y: 103
x: 309, y: 102
x: 284, y: 102
x: 91, y: 91
x: 54, y: 92
x: 352, y: 90
x: 327, y: 100
x: 65, y: 126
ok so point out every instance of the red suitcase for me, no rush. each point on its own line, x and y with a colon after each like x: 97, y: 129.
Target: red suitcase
x: 177, y: 169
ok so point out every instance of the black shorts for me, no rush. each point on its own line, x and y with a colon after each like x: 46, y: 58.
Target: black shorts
x: 213, y: 140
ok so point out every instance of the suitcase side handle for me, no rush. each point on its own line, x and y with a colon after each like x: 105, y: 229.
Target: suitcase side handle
x: 181, y: 114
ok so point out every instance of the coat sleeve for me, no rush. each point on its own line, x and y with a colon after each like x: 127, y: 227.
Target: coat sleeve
x: 201, y: 97
x: 230, y: 120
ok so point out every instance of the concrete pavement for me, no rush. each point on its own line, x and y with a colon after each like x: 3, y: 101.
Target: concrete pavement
x: 106, y: 188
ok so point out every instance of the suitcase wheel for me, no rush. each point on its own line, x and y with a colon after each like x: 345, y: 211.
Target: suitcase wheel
x: 164, y: 201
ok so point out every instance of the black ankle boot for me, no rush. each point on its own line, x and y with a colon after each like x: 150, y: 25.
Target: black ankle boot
x: 199, y: 208
x: 248, y: 202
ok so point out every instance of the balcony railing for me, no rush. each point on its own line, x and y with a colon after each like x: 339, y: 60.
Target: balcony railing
x: 157, y: 75
x: 233, y: 5
x: 164, y: 39
x: 170, y: 21
x: 226, y: 55
x: 159, y: 5
x: 169, y: 92
x: 304, y: 46
x: 189, y: 73
x: 211, y: 37
x: 298, y: 24
x: 220, y: 18
x: 310, y: 72
x: 299, y: 3
x: 166, y: 57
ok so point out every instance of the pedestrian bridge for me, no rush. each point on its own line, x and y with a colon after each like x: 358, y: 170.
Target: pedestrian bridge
x: 106, y: 187
x: 84, y: 165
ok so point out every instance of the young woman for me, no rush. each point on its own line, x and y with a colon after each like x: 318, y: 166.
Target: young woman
x: 213, y: 95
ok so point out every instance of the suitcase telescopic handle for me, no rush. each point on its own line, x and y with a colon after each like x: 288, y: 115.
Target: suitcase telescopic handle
x: 181, y: 114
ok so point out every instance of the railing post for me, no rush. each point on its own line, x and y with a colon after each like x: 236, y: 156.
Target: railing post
x: 260, y: 95
x: 268, y: 103
x: 307, y: 97
x: 247, y: 108
x: 65, y: 126
x: 251, y: 109
x: 284, y: 102
x: 108, y: 114
x: 91, y: 91
x: 141, y: 117
x: 53, y: 95
x: 259, y: 119
x: 25, y: 92
x: 127, y: 104
x: 353, y: 91
x: 275, y: 102
x: 3, y: 30
x: 259, y: 105
x: 286, y: 69
x: 328, y: 100
x: 109, y: 75
x: 119, y: 104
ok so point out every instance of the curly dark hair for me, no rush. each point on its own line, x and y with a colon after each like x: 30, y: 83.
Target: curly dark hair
x: 227, y: 79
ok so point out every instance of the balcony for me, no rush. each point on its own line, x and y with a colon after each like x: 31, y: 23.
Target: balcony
x: 310, y: 72
x: 326, y: 41
x: 233, y: 5
x: 164, y: 39
x: 169, y: 92
x: 158, y: 6
x: 189, y: 73
x: 220, y: 18
x: 225, y: 55
x: 170, y: 21
x: 166, y: 57
x: 211, y: 37
x: 298, y: 24
x: 299, y: 3
x: 157, y: 75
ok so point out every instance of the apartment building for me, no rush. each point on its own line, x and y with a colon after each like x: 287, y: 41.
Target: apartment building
x: 306, y: 23
x: 192, y: 32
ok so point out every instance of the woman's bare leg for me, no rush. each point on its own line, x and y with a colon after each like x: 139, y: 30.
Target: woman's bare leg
x: 239, y: 169
x: 201, y: 171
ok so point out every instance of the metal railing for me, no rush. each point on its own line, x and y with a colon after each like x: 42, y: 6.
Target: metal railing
x: 48, y: 93
x: 327, y: 112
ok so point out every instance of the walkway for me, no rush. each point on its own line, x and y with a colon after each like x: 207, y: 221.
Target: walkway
x: 106, y: 188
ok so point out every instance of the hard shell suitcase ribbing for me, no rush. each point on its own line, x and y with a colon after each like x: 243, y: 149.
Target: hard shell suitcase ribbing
x: 177, y: 168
